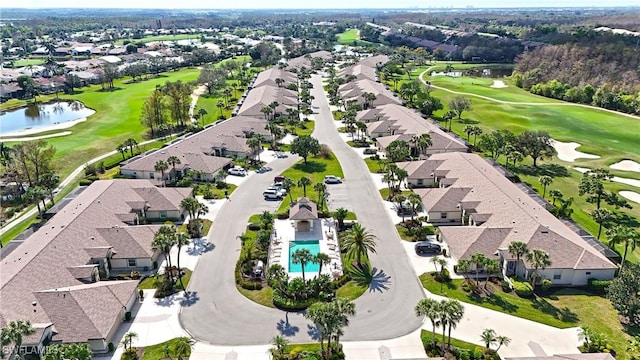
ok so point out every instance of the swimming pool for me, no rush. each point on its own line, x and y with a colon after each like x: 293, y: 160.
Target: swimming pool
x: 314, y: 248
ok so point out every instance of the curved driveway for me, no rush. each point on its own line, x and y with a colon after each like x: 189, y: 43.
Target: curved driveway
x: 222, y: 316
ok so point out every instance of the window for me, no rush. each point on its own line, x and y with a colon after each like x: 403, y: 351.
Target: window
x: 151, y: 176
x: 419, y: 181
x: 588, y: 272
x: 132, y: 262
x: 163, y: 214
x: 557, y: 276
x: 443, y: 215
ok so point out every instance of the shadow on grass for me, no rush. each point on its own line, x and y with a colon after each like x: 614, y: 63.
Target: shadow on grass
x: 468, y: 121
x: 553, y: 170
x: 113, y: 89
x: 311, y: 167
x: 564, y: 314
x: 375, y: 279
x: 498, y: 301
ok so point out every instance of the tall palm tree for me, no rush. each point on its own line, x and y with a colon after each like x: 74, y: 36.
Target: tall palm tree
x: 430, y: 308
x: 538, y: 259
x: 478, y: 260
x: 320, y: 188
x: 600, y: 216
x: 173, y: 161
x: 288, y: 184
x: 266, y: 220
x: 182, y: 347
x: 502, y: 340
x: 468, y: 129
x: 322, y: 259
x: 280, y: 343
x: 415, y: 201
x: 555, y: 195
x: 421, y: 142
x: 302, y: 257
x: 488, y: 337
x: 343, y: 308
x: 545, y: 181
x: 161, y: 166
x: 130, y: 142
x: 400, y: 199
x: 304, y: 182
x: 477, y: 130
x: 181, y: 239
x: 220, y: 106
x: 621, y: 234
x: 15, y: 332
x: 340, y: 215
x: 491, y: 266
x: 121, y: 149
x: 455, y: 312
x: 358, y: 242
x: 255, y: 144
x: 163, y: 240
x: 518, y: 249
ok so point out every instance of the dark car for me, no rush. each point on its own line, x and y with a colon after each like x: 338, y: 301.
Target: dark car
x: 425, y: 247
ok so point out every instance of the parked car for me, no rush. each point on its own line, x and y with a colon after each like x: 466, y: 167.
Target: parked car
x: 331, y: 179
x: 426, y: 247
x: 281, y: 155
x: 237, y: 171
x: 370, y: 151
x: 272, y: 194
x: 264, y: 169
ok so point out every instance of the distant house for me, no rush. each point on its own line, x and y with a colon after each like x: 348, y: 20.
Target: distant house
x: 305, y: 60
x: 490, y: 212
x: 354, y: 91
x: 10, y: 91
x: 55, y: 277
x: 270, y: 77
x: 263, y: 96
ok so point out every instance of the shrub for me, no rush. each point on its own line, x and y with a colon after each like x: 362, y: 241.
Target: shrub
x: 284, y: 303
x: 254, y: 227
x: 185, y: 182
x: 111, y: 347
x: 374, y: 157
x: 283, y: 215
x: 506, y: 287
x: 598, y: 285
x: 130, y: 354
x: 127, y: 316
x: 522, y: 288
x: 546, y: 284
x: 446, y: 275
x: 221, y: 185
x: 325, y: 152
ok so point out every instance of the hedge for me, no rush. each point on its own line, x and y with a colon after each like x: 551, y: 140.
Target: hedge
x: 522, y: 288
x: 246, y: 284
x: 284, y: 303
x: 598, y: 285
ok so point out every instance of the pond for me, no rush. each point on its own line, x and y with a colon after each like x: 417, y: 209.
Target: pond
x: 36, y: 116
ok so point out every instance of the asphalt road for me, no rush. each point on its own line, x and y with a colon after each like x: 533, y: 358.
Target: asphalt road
x: 220, y: 315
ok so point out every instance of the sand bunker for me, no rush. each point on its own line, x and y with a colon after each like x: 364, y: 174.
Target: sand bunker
x: 626, y: 165
x: 31, y: 138
x: 567, y: 151
x: 499, y: 84
x: 631, y: 195
x: 621, y: 180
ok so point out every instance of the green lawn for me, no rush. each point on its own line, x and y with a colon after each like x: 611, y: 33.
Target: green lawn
x: 373, y: 165
x: 156, y: 352
x: 309, y: 125
x: 384, y: 193
x: 262, y: 297
x: 425, y: 336
x: 352, y: 37
x: 27, y: 62
x: 351, y: 290
x: 315, y: 169
x: 150, y: 282
x: 562, y: 308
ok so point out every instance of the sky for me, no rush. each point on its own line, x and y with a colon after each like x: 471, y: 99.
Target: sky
x: 309, y: 4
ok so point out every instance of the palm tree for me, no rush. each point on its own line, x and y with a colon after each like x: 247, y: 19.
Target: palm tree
x: 539, y: 259
x: 430, y: 308
x: 161, y: 166
x: 492, y: 266
x: 400, y: 199
x: 421, y: 142
x: 468, y: 129
x: 476, y: 130
x: 478, y: 260
x: 600, y: 216
x: 555, y: 195
x: 343, y: 308
x: 621, y: 234
x: 131, y: 142
x: 255, y: 144
x: 181, y: 239
x: 128, y: 338
x: 304, y: 182
x: 322, y: 259
x: 502, y: 340
x: 358, y: 242
x: 320, y: 188
x: 182, y: 347
x: 15, y: 332
x: 220, y: 106
x: 173, y: 161
x: 201, y: 113
x: 341, y: 214
x: 280, y: 343
x: 288, y: 184
x: 518, y: 249
x: 455, y: 312
x: 545, y: 181
x: 302, y: 257
x: 163, y: 240
x: 191, y: 205
x: 121, y: 149
x: 266, y: 220
x: 488, y: 337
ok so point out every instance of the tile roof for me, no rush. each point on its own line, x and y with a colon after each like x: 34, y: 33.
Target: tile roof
x: 269, y: 76
x: 194, y: 150
x: 303, y: 61
x: 304, y: 209
x: 422, y: 169
x: 502, y: 205
x: 262, y: 96
x: 354, y: 90
x: 81, y: 231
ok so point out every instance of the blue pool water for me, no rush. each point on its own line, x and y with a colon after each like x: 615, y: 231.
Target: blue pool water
x: 314, y: 248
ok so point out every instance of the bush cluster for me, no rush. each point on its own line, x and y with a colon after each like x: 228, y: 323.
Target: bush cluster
x: 599, y: 286
x: 522, y: 288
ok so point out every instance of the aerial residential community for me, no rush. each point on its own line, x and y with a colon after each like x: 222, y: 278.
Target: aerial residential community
x: 342, y: 181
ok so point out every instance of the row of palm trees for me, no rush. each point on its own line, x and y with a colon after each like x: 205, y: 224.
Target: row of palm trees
x: 446, y: 314
x: 163, y: 165
x: 304, y: 257
x: 164, y: 240
x: 537, y: 258
x: 303, y: 182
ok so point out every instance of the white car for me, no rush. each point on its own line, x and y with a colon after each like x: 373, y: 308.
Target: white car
x: 237, y: 171
x: 331, y: 179
x: 272, y: 194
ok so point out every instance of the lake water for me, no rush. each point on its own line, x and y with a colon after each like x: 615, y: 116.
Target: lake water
x: 39, y: 115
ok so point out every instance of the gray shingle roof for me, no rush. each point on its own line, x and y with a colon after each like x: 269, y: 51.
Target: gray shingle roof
x: 304, y: 209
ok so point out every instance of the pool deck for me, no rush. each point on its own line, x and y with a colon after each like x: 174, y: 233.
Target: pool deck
x: 323, y: 230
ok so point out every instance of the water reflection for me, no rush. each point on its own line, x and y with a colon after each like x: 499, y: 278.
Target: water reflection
x: 40, y: 115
